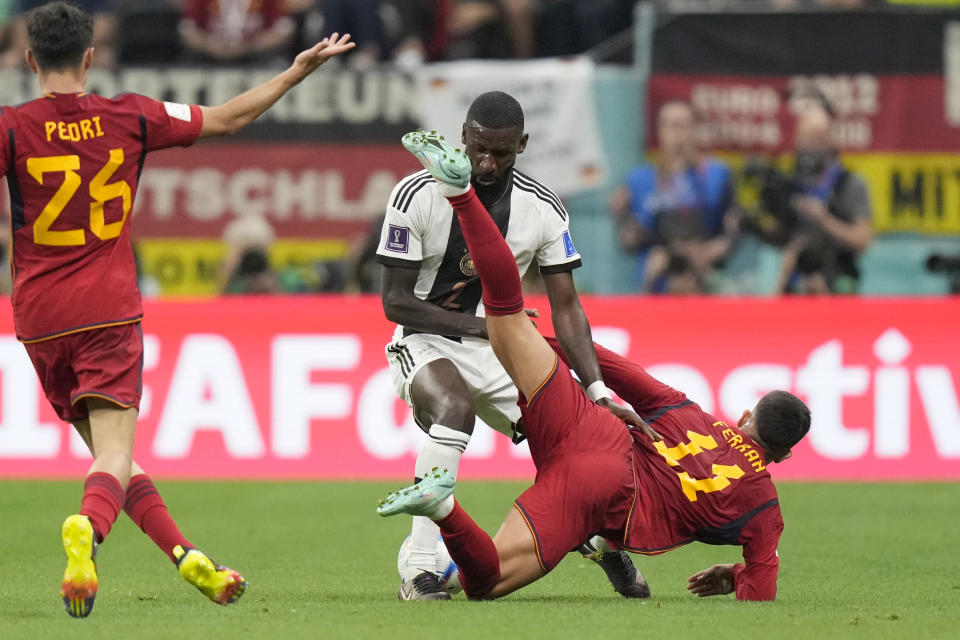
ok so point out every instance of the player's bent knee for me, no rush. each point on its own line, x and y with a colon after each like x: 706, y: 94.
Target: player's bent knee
x: 453, y: 410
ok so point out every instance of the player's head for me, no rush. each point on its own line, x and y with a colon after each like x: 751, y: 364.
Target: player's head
x: 777, y: 423
x: 61, y: 38
x: 677, y: 128
x: 493, y: 136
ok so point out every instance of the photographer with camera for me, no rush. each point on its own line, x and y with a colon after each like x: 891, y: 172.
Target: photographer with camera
x: 822, y: 215
x: 673, y: 214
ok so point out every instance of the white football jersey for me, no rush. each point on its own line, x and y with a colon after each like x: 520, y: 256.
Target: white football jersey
x: 421, y: 231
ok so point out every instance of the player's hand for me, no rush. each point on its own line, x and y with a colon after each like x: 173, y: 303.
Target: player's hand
x: 308, y: 61
x: 630, y: 418
x: 715, y: 581
x: 532, y: 313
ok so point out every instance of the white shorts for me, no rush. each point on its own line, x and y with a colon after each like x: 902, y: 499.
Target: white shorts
x: 493, y: 392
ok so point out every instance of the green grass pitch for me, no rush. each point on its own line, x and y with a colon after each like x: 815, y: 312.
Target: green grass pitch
x: 857, y: 561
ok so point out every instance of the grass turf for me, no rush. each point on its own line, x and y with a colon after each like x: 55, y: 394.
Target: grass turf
x: 857, y: 561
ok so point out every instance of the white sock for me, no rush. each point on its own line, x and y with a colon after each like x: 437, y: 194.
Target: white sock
x: 600, y: 544
x: 452, y: 190
x: 442, y: 450
x: 443, y: 509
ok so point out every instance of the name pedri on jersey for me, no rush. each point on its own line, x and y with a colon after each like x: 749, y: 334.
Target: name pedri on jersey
x: 72, y: 163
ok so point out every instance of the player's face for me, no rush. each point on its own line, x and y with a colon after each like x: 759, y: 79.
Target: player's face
x: 492, y: 152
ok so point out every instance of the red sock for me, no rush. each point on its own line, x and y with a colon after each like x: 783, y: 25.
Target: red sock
x: 102, y: 497
x: 473, y: 551
x: 148, y: 511
x: 492, y: 258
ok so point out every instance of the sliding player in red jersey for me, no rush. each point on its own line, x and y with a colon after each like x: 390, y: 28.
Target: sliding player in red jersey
x: 694, y: 478
x: 72, y: 162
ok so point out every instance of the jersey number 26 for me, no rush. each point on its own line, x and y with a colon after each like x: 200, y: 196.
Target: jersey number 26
x: 100, y: 193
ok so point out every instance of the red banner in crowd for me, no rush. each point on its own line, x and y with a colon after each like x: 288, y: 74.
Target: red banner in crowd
x: 873, y: 112
x: 298, y: 387
x: 316, y: 190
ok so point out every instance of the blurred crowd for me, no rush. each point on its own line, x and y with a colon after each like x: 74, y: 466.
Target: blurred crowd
x: 680, y: 217
x: 404, y: 32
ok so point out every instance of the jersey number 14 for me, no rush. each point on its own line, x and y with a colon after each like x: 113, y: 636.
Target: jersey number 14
x: 100, y: 192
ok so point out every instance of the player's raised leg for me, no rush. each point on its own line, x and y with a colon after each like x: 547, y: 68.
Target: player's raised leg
x: 525, y: 355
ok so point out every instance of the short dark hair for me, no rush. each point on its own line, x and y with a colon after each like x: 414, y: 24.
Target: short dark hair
x: 59, y: 35
x: 781, y: 419
x: 496, y: 110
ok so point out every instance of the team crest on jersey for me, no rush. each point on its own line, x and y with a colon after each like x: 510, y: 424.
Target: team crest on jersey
x: 568, y: 247
x: 466, y: 266
x: 398, y: 239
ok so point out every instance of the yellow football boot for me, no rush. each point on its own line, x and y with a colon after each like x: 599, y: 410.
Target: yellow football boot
x: 79, y: 587
x: 221, y: 584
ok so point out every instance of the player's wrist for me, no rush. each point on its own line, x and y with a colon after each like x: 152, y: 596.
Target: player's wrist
x: 293, y: 76
x: 598, y: 392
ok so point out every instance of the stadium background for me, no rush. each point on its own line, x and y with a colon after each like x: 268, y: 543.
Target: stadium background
x: 297, y: 387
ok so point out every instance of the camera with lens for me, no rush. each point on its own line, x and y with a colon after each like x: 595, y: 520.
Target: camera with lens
x: 775, y: 219
x: 948, y: 266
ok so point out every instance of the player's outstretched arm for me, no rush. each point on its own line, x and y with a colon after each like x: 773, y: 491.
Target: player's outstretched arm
x: 235, y: 114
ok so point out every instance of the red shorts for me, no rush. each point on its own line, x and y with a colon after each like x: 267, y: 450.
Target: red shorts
x: 100, y: 363
x: 585, y: 481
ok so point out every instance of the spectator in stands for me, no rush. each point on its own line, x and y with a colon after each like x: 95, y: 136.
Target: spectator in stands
x: 570, y: 27
x: 236, y: 31
x: 418, y: 29
x: 491, y: 29
x: 361, y: 19
x: 677, y: 214
x: 253, y: 275
x: 104, y: 32
x: 248, y: 240
x: 831, y: 212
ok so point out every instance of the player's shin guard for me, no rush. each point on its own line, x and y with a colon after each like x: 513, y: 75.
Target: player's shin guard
x: 473, y: 551
x: 102, y: 497
x: 492, y: 258
x: 443, y: 450
x: 148, y: 511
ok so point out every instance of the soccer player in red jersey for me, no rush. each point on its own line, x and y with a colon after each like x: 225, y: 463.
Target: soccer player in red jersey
x: 72, y: 162
x: 649, y: 491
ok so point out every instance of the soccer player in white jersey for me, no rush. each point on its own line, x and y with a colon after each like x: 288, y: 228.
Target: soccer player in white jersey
x: 440, y: 356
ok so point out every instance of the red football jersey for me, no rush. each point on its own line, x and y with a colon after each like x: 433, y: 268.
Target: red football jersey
x: 705, y: 482
x: 72, y: 163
